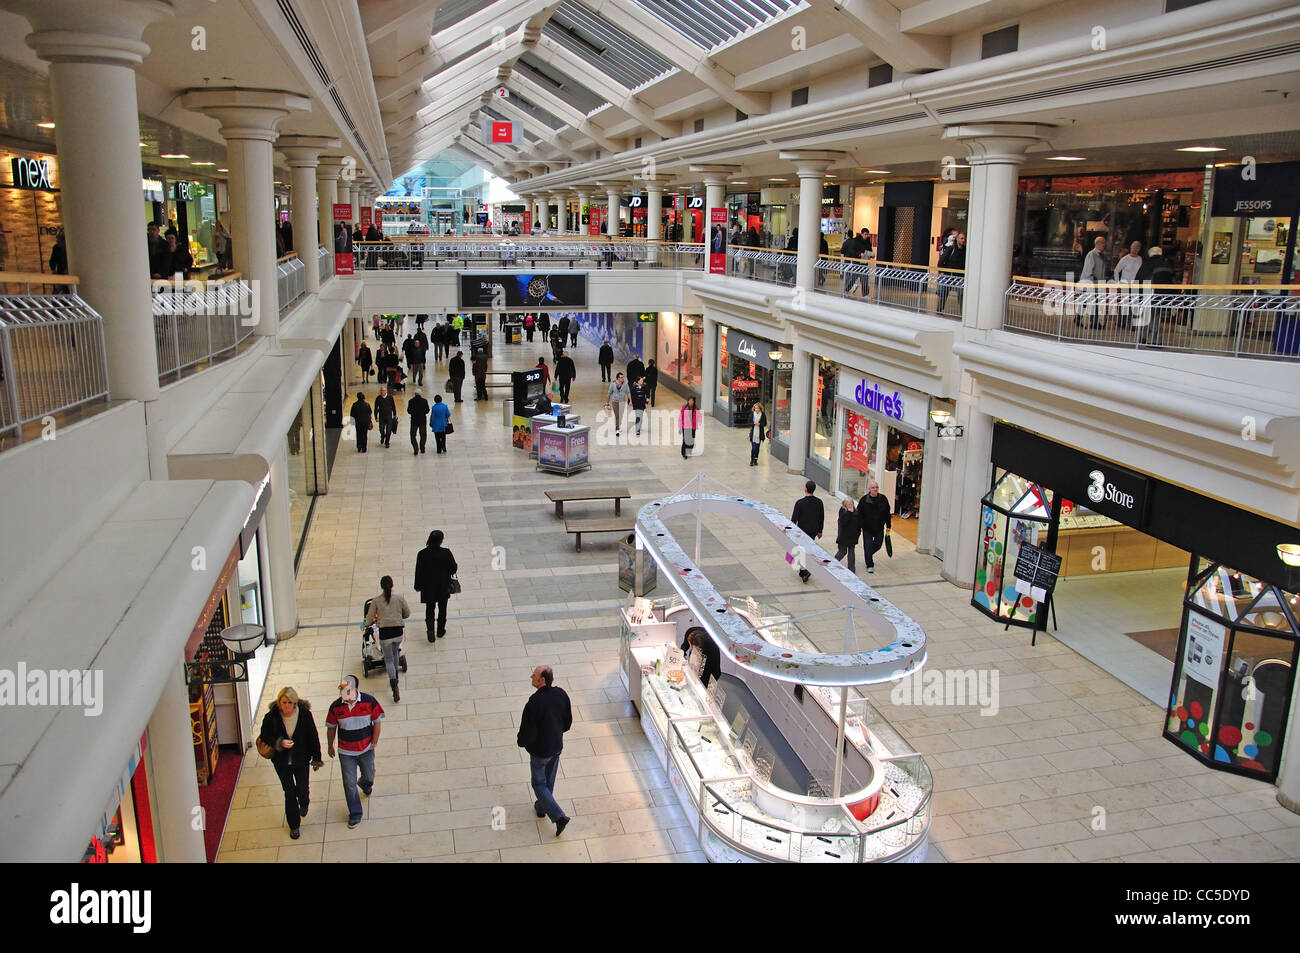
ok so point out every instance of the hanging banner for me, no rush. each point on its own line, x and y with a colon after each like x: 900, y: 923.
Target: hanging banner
x: 595, y: 220
x: 365, y: 215
x: 342, y: 239
x: 857, y: 442
x: 718, y: 241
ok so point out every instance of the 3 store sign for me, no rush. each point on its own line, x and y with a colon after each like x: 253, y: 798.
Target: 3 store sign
x: 1113, y: 492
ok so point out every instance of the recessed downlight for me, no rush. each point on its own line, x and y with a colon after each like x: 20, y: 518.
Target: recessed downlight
x: 878, y: 171
x: 1066, y: 158
x: 196, y: 162
x: 45, y: 125
x: 1201, y: 149
x: 174, y: 155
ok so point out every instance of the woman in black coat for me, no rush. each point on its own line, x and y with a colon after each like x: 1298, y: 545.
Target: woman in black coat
x: 434, y: 567
x: 848, y: 531
x: 290, y: 730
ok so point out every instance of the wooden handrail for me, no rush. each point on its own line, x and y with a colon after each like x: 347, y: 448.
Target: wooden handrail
x: 1116, y: 285
x: 284, y: 258
x: 37, y: 278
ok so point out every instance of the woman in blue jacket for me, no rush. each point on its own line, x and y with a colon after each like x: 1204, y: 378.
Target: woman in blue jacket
x: 440, y: 420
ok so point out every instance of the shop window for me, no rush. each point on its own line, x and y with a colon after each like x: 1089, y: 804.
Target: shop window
x: 799, y: 97
x: 780, y: 419
x: 699, y: 125
x: 1235, y: 669
x: 823, y: 410
x: 1006, y: 40
x: 691, y: 355
x: 638, y: 143
x: 1015, y: 512
x: 724, y: 367
x: 741, y: 116
x: 880, y: 75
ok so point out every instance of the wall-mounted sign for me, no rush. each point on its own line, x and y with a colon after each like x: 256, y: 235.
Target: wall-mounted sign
x: 495, y: 131
x: 182, y: 193
x: 1113, y: 492
x: 1274, y: 189
x: 32, y: 173
x: 901, y: 407
x: 695, y: 201
x: 751, y: 349
x: 500, y: 291
x: 647, y: 317
x: 153, y: 190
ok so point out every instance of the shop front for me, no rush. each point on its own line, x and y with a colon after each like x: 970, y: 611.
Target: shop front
x: 29, y: 210
x: 1235, y: 650
x: 680, y: 352
x: 126, y: 830
x: 755, y: 370
x: 879, y: 432
x: 1059, y: 217
x: 308, y: 463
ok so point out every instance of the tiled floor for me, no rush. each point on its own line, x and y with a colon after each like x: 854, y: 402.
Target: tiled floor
x: 1072, y: 767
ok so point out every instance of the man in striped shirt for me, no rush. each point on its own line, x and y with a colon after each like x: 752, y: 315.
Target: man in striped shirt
x: 354, y: 719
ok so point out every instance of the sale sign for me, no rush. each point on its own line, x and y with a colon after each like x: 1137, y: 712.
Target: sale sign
x: 857, y: 442
x: 717, y: 241
x: 342, y: 239
x: 366, y: 215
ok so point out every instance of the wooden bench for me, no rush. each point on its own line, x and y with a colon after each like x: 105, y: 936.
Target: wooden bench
x: 616, y: 524
x: 577, y: 494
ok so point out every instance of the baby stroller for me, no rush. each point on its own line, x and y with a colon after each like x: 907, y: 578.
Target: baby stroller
x: 397, y: 379
x: 372, y: 656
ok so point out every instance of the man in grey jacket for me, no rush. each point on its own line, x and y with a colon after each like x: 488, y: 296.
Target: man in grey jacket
x: 618, y: 393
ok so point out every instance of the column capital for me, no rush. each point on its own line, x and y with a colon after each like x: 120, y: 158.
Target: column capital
x: 997, y: 142
x: 811, y: 163
x: 714, y: 174
x: 304, y: 151
x: 330, y: 167
x: 110, y: 31
x: 246, y: 113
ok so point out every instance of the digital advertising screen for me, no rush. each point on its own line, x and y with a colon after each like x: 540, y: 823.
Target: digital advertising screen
x: 500, y: 291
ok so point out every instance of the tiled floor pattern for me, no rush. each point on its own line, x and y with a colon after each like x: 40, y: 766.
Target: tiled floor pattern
x: 1072, y: 767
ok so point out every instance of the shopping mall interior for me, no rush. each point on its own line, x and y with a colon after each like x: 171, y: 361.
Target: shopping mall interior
x: 1008, y: 287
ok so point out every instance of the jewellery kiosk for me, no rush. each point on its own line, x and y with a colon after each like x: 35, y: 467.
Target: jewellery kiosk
x: 777, y: 760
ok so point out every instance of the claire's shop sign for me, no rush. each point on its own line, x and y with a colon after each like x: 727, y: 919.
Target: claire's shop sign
x: 901, y: 407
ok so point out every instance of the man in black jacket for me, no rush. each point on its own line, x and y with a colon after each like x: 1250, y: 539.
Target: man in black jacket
x: 362, y: 420
x: 386, y: 411
x: 874, y: 517
x: 418, y: 408
x: 434, y: 567
x: 635, y: 369
x: 809, y: 516
x: 606, y: 359
x: 565, y: 373
x: 456, y: 373
x: 547, y: 716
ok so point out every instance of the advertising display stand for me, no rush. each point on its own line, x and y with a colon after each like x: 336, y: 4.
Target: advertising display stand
x: 563, y: 449
x: 526, y: 389
x: 539, y: 421
x: 1035, y: 572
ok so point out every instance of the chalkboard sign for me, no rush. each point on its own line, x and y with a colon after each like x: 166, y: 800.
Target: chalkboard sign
x: 1036, y: 569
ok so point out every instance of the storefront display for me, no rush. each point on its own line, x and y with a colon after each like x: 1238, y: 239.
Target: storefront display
x: 680, y: 349
x: 306, y: 444
x: 29, y: 211
x: 1235, y: 671
x: 880, y: 432
x: 126, y: 833
x: 748, y: 374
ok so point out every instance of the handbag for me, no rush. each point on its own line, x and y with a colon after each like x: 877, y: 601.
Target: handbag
x: 263, y: 748
x: 453, y: 586
x: 451, y: 428
x: 889, y: 545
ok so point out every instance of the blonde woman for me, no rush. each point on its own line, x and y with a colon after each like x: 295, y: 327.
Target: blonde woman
x: 757, y: 432
x: 290, y: 731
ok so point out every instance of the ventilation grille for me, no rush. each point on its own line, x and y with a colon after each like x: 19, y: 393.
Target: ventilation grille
x: 308, y: 47
x: 853, y: 127
x: 1272, y: 53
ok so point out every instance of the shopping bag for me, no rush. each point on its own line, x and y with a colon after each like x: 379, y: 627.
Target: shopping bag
x: 889, y: 545
x: 450, y: 427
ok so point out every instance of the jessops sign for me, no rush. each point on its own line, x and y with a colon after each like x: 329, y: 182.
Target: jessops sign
x: 901, y: 407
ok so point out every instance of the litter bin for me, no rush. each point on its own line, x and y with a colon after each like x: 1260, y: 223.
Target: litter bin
x: 637, y: 572
x: 508, y: 411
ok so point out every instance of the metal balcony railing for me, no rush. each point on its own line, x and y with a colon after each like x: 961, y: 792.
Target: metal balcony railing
x: 593, y: 253
x: 1232, y: 320
x: 290, y: 280
x: 52, y: 356
x: 198, y: 323
x: 325, y: 262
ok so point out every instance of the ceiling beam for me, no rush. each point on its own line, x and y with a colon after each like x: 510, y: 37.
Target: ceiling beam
x: 543, y: 131
x: 598, y: 82
x: 557, y: 107
x: 379, y: 18
x: 876, y: 25
x: 679, y: 51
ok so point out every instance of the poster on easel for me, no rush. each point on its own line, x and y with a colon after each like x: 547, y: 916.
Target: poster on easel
x: 342, y: 239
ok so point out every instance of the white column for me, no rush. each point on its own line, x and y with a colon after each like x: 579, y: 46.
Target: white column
x: 280, y: 546
x: 709, y: 371
x: 654, y: 212
x: 248, y: 122
x: 611, y: 210
x: 996, y: 153
x: 303, y: 156
x: 327, y: 194
x: 800, y: 406
x: 1288, y: 778
x: 97, y: 116
x: 584, y: 198
x: 561, y: 225
x: 175, y: 787
x: 811, y: 167
x: 715, y: 196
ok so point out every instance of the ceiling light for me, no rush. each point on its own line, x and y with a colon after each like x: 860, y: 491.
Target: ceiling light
x: 223, y: 170
x: 143, y: 146
x: 173, y: 155
x: 1201, y: 149
x: 741, y: 182
x: 1289, y: 553
x: 45, y: 125
x: 878, y: 171
x: 776, y: 178
x: 1066, y: 158
x: 202, y: 163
